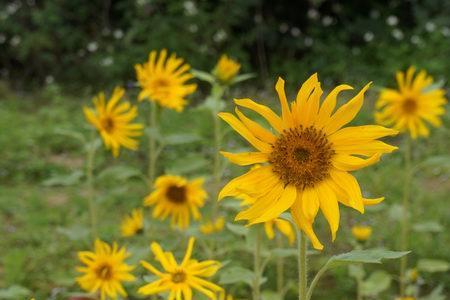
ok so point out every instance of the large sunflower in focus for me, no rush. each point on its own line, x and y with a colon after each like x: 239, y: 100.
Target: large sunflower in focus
x: 413, y: 105
x: 163, y: 80
x: 307, y: 158
x: 113, y: 121
x: 105, y: 270
x: 177, y: 197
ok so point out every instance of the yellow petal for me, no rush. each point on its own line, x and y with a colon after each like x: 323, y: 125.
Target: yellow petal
x: 259, y: 131
x: 246, y: 158
x: 329, y: 206
x: 351, y: 188
x: 286, y: 113
x: 351, y: 163
x: 271, y: 117
x: 329, y: 103
x: 304, y: 224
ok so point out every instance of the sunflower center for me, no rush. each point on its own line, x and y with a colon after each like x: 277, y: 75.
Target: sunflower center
x: 104, y: 272
x: 108, y: 124
x: 176, y: 194
x: 178, y: 277
x: 302, y: 157
x: 409, y: 105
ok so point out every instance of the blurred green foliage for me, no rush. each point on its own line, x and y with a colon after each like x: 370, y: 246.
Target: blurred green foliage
x: 96, y: 43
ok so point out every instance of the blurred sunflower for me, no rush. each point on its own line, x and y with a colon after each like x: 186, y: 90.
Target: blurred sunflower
x: 177, y: 197
x: 307, y: 158
x: 226, y: 69
x: 104, y: 270
x: 283, y: 226
x: 163, y: 80
x: 361, y: 232
x: 413, y: 105
x: 113, y: 121
x: 212, y: 226
x: 133, y: 224
x: 181, y: 279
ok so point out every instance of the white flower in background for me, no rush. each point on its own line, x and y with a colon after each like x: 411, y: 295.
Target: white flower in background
x: 374, y: 14
x: 295, y: 31
x: 118, y: 34
x: 193, y: 28
x: 368, y: 36
x: 15, y: 41
x: 220, y: 36
x: 308, y: 41
x: 92, y: 46
x: 327, y: 21
x: 415, y: 40
x: 392, y: 20
x: 397, y: 34
x: 284, y: 27
x: 49, y: 79
x: 13, y: 7
x: 430, y: 26
x: 313, y: 14
x: 445, y: 31
x: 190, y: 9
x: 2, y: 38
x: 107, y: 61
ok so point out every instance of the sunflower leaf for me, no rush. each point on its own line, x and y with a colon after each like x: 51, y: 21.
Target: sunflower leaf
x: 205, y: 76
x: 378, y: 282
x: 370, y: 256
x: 236, y: 274
x: 433, y: 265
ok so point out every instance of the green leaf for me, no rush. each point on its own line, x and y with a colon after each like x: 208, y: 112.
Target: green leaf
x: 436, y: 294
x: 213, y: 104
x: 270, y: 295
x: 356, y: 271
x: 283, y: 252
x: 14, y: 292
x: 180, y: 138
x: 378, y: 282
x: 186, y: 164
x: 237, y: 229
x: 243, y: 77
x: 430, y: 226
x: 437, y: 85
x: 205, y: 76
x: 71, y: 134
x: 370, y: 256
x: 236, y: 274
x: 64, y: 180
x: 75, y: 233
x: 432, y: 265
x: 119, y: 173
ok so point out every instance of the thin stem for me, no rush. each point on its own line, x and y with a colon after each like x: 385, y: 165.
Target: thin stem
x: 280, y: 269
x: 359, y: 289
x: 90, y: 188
x: 316, y: 280
x: 404, y: 236
x: 152, y: 151
x: 302, y: 267
x: 217, y: 174
x: 257, y: 266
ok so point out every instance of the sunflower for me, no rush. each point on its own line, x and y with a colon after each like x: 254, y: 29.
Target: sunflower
x: 104, y: 270
x: 133, y: 223
x: 113, y: 121
x: 177, y: 197
x: 307, y: 158
x: 283, y: 226
x: 163, y: 80
x: 226, y: 69
x: 361, y: 232
x: 181, y: 278
x: 212, y: 226
x: 413, y: 105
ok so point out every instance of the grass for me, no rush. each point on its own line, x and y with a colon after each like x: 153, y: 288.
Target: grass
x: 44, y: 218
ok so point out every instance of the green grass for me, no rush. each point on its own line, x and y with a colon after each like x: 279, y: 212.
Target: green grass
x: 44, y: 213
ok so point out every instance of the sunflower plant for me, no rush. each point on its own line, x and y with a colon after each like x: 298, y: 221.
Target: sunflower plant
x: 307, y: 159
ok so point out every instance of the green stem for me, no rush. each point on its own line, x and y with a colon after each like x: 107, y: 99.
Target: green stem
x: 316, y: 280
x: 257, y: 266
x: 217, y: 176
x: 280, y: 269
x: 358, y: 289
x: 90, y: 188
x: 152, y: 151
x: 302, y: 266
x: 404, y: 236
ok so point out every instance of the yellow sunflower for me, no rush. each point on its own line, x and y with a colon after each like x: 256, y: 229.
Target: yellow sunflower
x: 163, y: 80
x: 283, y: 226
x: 226, y: 69
x: 361, y: 232
x: 104, y: 270
x: 213, y: 226
x: 413, y: 105
x: 181, y: 279
x: 113, y: 121
x: 307, y: 158
x: 133, y: 224
x: 177, y: 197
